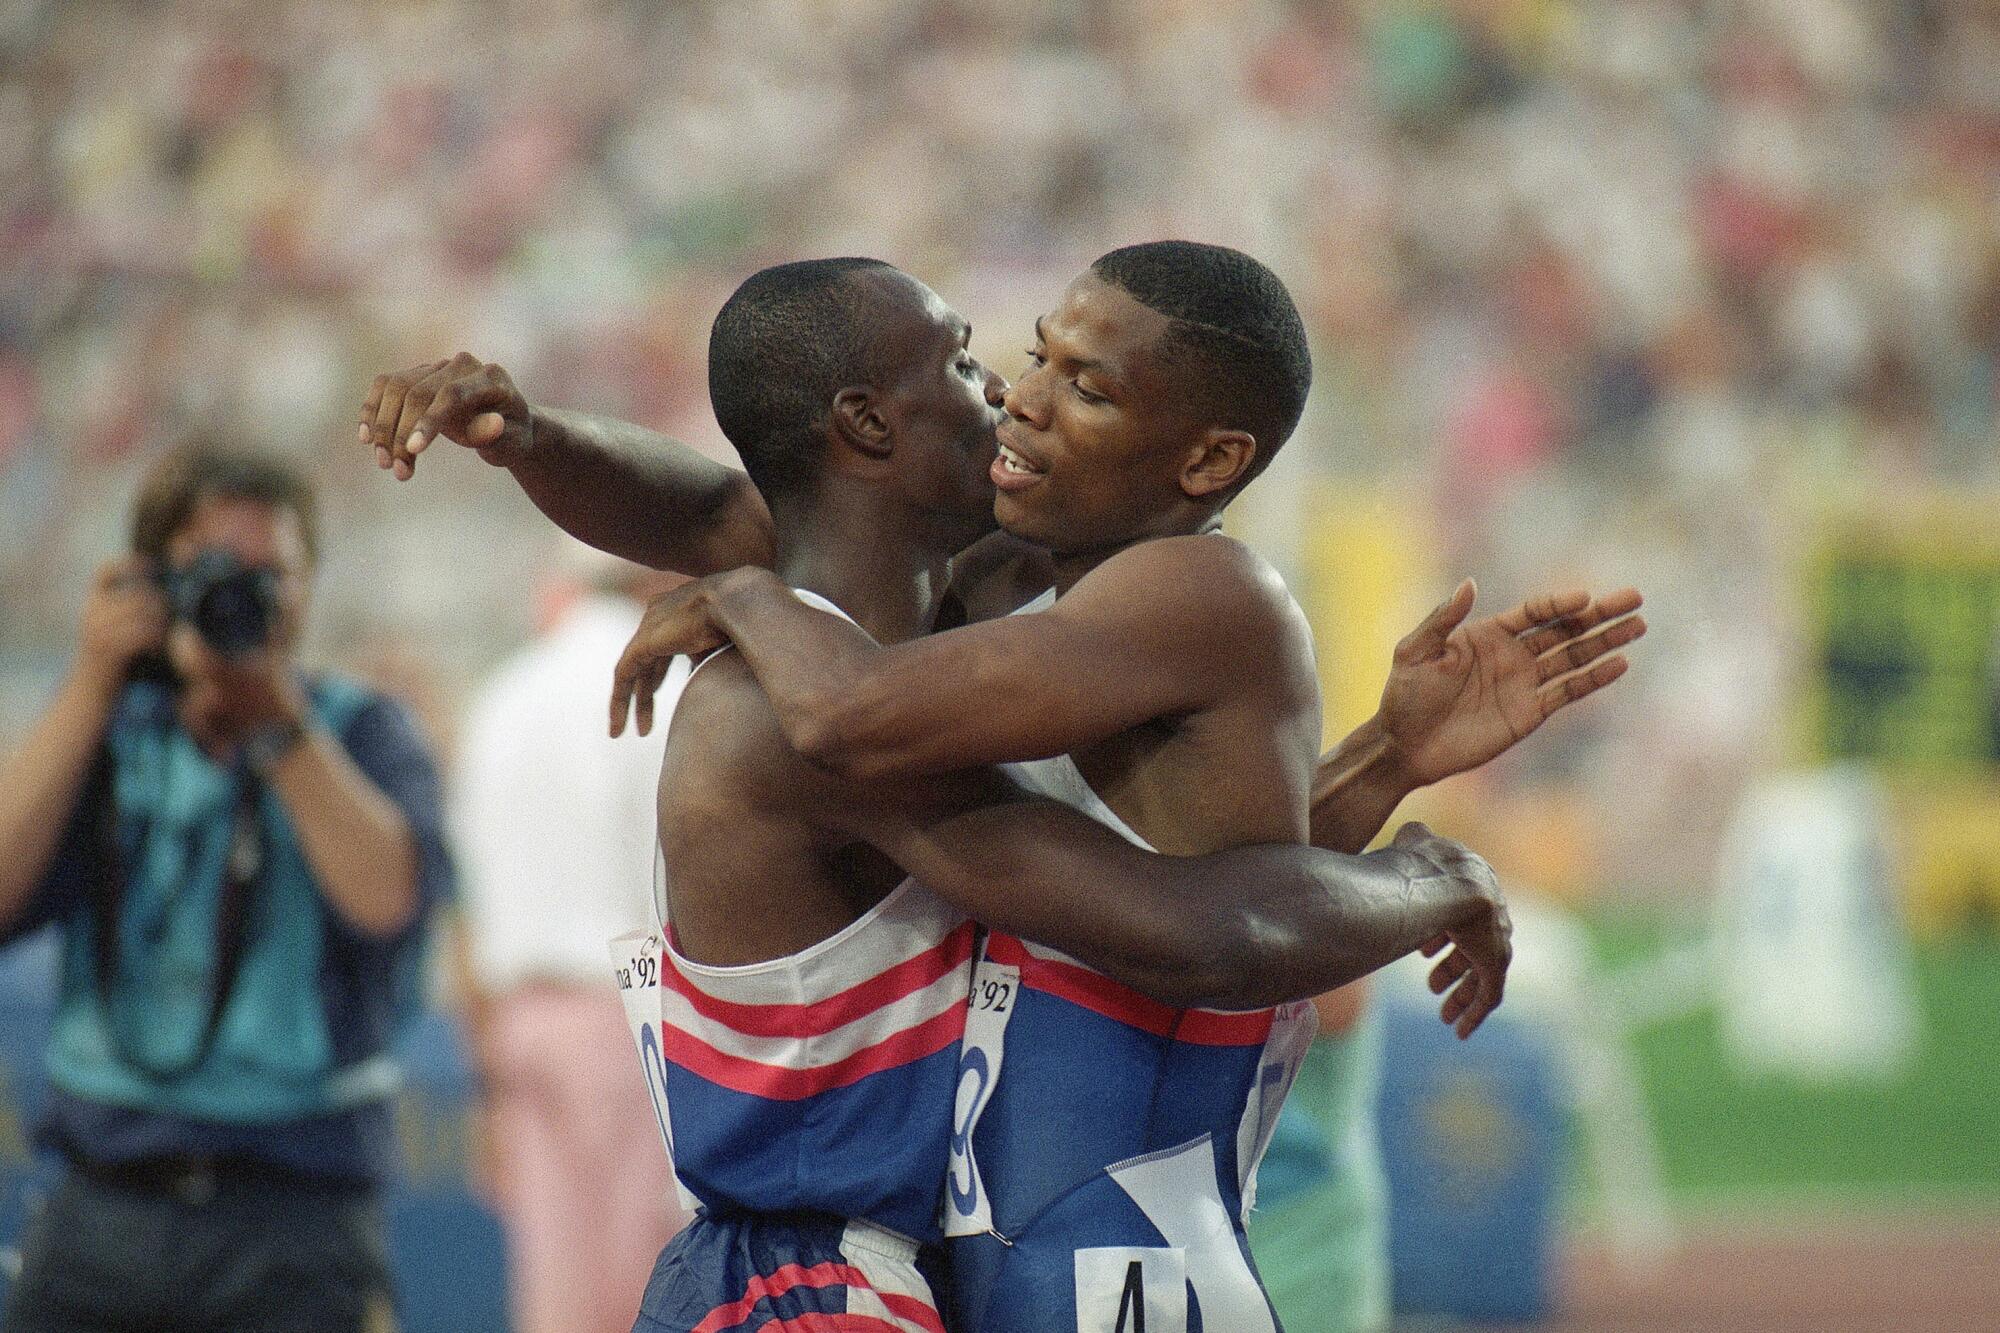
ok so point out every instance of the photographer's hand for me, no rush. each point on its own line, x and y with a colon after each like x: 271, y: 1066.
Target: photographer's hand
x: 124, y: 617
x: 358, y: 844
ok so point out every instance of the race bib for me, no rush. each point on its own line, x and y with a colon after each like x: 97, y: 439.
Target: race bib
x: 995, y: 990
x: 636, y: 959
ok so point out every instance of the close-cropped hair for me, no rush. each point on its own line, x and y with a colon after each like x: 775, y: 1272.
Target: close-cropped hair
x: 782, y: 346
x: 1236, y: 335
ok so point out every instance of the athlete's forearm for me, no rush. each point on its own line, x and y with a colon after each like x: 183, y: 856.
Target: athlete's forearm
x: 1241, y: 928
x: 1356, y: 789
x: 642, y: 496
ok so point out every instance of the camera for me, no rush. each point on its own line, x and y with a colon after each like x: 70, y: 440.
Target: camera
x: 233, y: 606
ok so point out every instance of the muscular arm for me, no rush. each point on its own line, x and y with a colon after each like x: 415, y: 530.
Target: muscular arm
x: 615, y: 486
x: 1157, y: 631
x: 642, y: 496
x: 1239, y: 928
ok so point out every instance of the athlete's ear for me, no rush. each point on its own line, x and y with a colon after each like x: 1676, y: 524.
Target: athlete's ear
x: 1218, y: 462
x: 859, y: 424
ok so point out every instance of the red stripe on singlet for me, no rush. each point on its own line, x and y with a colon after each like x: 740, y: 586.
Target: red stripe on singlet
x: 1101, y: 995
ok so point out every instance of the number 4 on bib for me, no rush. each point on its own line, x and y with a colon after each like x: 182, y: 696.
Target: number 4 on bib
x: 1130, y: 1290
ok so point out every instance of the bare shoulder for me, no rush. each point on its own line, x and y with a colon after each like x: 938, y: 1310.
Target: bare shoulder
x: 725, y: 738
x: 1214, y: 581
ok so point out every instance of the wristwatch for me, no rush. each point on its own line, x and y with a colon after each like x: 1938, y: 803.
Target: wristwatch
x: 265, y: 746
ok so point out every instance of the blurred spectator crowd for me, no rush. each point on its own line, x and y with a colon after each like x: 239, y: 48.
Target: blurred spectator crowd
x: 1600, y: 290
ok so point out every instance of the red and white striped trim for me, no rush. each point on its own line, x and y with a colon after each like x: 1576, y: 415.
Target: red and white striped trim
x: 719, y: 1023
x: 898, y: 1313
x: 1053, y: 973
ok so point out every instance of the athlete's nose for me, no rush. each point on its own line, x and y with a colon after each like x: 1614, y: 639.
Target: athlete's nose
x: 997, y: 388
x: 1021, y: 404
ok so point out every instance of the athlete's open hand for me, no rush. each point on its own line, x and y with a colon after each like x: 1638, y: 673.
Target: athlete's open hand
x: 465, y: 400
x: 1473, y: 975
x: 676, y: 624
x: 1462, y: 692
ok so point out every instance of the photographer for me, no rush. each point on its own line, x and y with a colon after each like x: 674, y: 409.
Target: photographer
x: 241, y: 858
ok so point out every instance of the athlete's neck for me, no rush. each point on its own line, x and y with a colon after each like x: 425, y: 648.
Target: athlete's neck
x: 872, y: 561
x: 1071, y: 566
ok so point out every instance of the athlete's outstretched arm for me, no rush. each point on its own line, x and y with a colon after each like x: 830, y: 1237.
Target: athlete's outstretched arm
x: 615, y: 486
x: 1460, y: 694
x: 1155, y: 631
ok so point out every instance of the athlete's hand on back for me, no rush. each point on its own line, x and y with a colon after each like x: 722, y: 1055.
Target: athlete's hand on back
x: 465, y: 400
x: 1460, y: 693
x: 676, y: 624
x: 1473, y: 975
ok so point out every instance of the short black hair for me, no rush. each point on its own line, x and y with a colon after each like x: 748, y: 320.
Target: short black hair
x: 783, y: 344
x: 1235, y: 332
x: 207, y: 469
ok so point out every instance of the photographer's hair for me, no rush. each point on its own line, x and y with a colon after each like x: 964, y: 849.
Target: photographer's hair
x: 202, y: 469
x: 1236, y: 335
x: 783, y: 344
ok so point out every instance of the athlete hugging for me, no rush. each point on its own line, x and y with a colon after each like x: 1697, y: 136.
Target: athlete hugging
x: 1001, y: 863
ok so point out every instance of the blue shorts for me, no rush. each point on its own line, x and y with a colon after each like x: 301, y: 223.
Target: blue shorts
x: 789, y: 1273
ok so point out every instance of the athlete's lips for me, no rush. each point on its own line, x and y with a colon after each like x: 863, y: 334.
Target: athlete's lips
x: 1015, y: 469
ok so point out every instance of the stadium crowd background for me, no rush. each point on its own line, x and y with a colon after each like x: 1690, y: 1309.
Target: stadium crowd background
x: 1605, y: 291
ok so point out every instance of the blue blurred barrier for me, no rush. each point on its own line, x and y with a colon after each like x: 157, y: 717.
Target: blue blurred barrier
x: 27, y: 989
x: 1471, y: 1137
x: 446, y: 1248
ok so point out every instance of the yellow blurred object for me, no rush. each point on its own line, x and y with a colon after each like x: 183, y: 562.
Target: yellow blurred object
x: 1366, y: 582
x: 1950, y: 856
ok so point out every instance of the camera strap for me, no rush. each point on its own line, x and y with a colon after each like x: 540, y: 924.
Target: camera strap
x: 243, y: 869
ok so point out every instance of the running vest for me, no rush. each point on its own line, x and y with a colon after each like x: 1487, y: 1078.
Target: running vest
x: 821, y: 1081
x: 1105, y: 1145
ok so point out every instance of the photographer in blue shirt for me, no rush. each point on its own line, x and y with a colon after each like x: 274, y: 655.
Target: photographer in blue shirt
x: 241, y: 858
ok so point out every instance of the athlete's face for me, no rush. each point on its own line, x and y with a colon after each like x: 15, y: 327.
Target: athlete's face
x: 1097, y: 436
x: 945, y: 405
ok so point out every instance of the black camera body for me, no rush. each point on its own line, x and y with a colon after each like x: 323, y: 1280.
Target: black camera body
x: 233, y: 606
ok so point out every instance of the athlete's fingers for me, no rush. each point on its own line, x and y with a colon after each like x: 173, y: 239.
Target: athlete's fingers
x: 649, y: 685
x: 1449, y: 969
x: 1540, y: 610
x: 1460, y: 999
x: 389, y: 409
x: 1427, y: 640
x: 621, y: 690
x: 1477, y: 1006
x: 369, y: 405
x: 1430, y: 947
x: 1563, y: 691
x: 454, y: 410
x: 1538, y: 639
x: 1582, y: 651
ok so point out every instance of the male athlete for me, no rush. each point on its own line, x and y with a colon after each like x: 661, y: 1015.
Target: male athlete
x: 1140, y: 747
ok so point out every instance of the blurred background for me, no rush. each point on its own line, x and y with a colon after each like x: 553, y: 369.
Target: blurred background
x: 1697, y: 295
